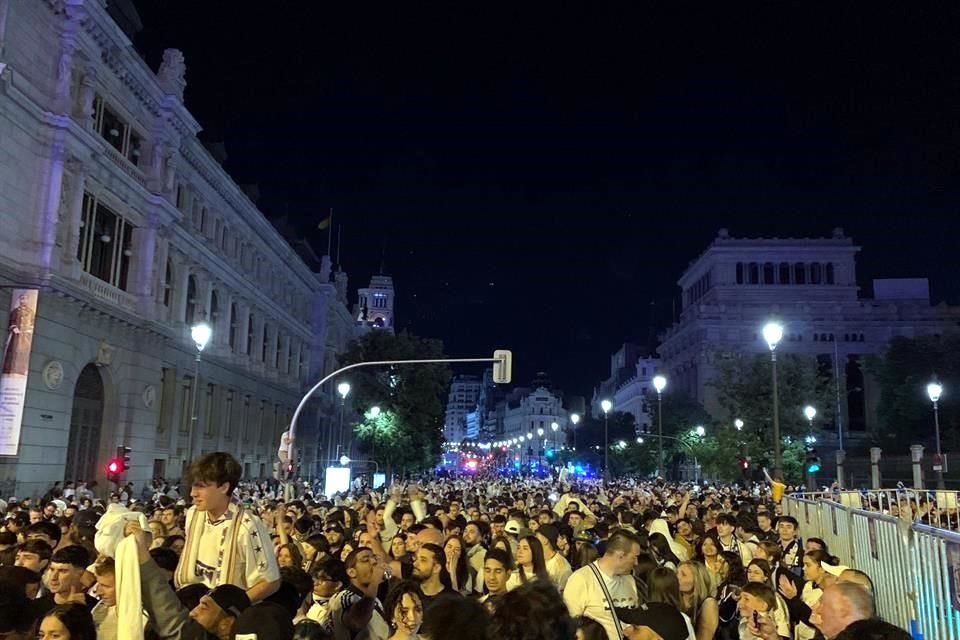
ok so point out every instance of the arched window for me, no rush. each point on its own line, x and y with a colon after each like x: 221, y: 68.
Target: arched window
x: 768, y: 273
x: 800, y: 273
x: 192, y: 302
x: 754, y: 273
x: 277, y: 351
x: 232, y: 323
x: 266, y: 343
x: 739, y: 273
x: 168, y: 283
x: 816, y: 273
x: 784, y: 274
x: 829, y: 272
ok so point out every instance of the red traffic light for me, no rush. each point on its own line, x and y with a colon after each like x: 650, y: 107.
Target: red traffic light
x: 745, y: 464
x: 114, y: 466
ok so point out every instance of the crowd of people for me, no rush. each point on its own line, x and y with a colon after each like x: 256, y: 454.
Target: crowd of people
x: 450, y: 558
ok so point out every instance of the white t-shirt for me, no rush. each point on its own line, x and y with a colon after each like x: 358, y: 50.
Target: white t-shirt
x: 254, y: 550
x: 559, y: 570
x: 584, y: 596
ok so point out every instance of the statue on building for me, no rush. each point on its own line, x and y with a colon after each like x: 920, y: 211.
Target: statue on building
x: 173, y: 73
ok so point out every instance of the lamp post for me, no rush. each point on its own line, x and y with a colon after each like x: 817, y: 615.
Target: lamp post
x: 344, y: 390
x: 810, y: 412
x: 773, y: 333
x: 200, y: 333
x: 574, y: 420
x: 934, y: 391
x: 659, y: 383
x: 554, y: 426
x: 699, y: 431
x: 606, y: 405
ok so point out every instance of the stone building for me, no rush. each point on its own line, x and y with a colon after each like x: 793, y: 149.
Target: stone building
x: 810, y: 286
x: 630, y: 386
x: 461, y: 401
x: 132, y: 232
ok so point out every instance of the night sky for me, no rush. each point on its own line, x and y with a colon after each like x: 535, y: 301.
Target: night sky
x: 538, y: 175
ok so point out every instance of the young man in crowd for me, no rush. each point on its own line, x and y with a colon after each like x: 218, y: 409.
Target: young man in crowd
x: 430, y: 570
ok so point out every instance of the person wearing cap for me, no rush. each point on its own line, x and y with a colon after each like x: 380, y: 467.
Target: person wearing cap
x: 225, y: 543
x: 557, y: 566
x: 594, y: 590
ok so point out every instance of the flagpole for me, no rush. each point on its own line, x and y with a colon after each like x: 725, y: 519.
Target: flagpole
x: 339, y: 230
x: 330, y: 233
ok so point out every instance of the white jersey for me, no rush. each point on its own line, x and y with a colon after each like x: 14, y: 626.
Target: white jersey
x: 584, y: 596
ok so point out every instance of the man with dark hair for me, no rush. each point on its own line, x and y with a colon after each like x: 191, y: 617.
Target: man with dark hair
x: 791, y: 546
x: 594, y: 590
x: 34, y: 555
x: 225, y: 543
x: 476, y: 552
x: 765, y: 522
x: 64, y: 580
x: 557, y: 566
x: 356, y: 609
x: 430, y: 570
x: 46, y: 531
x: 170, y: 518
x: 726, y: 526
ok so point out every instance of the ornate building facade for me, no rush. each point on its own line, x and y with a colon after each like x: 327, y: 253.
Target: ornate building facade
x: 132, y: 232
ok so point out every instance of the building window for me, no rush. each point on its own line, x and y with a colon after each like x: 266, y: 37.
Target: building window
x: 192, y: 303
x: 800, y: 273
x: 266, y: 343
x: 754, y: 273
x: 250, y: 332
x: 214, y: 307
x: 829, y: 272
x: 168, y: 283
x: 186, y: 402
x: 105, y: 245
x: 784, y: 273
x: 739, y: 273
x: 233, y: 326
x: 768, y: 273
x: 112, y: 128
x: 815, y: 273
x: 276, y: 352
x: 290, y: 370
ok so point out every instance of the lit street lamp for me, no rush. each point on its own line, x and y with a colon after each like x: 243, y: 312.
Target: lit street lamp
x: 344, y: 390
x: 934, y: 391
x: 773, y: 333
x: 574, y: 420
x: 738, y: 423
x: 201, y: 334
x: 553, y: 427
x: 659, y: 383
x: 606, y: 405
x: 374, y: 412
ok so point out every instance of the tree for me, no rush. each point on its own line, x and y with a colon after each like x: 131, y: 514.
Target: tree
x: 744, y: 390
x: 410, y: 398
x: 902, y: 373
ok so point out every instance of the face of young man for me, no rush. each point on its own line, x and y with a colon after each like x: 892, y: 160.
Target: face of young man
x: 495, y: 576
x: 63, y: 578
x: 209, y: 496
x: 168, y: 517
x: 423, y: 565
x: 31, y: 561
x: 107, y: 589
x: 787, y: 531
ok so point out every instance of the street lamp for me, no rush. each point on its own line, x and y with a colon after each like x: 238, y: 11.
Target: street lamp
x: 659, y: 383
x: 344, y: 390
x: 374, y: 412
x: 934, y: 391
x: 698, y: 431
x: 200, y: 333
x: 540, y: 431
x: 738, y: 423
x: 639, y: 440
x: 773, y: 333
x: 574, y: 419
x: 606, y: 405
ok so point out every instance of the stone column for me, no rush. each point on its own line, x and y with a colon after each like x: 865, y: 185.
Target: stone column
x: 87, y: 95
x: 243, y: 329
x: 221, y: 331
x: 841, y: 458
x: 73, y: 217
x: 916, y: 456
x: 178, y: 299
x: 875, y: 453
x: 144, y: 246
x: 160, y: 269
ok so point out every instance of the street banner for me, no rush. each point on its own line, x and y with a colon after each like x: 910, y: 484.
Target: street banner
x: 16, y: 368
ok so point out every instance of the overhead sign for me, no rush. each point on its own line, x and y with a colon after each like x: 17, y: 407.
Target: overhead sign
x: 16, y: 367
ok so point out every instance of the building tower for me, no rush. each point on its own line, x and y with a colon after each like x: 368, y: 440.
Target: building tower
x: 375, y: 304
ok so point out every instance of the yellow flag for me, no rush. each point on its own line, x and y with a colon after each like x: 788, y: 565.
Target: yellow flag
x: 325, y: 223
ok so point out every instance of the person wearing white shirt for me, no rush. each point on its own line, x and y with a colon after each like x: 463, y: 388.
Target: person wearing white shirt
x: 585, y: 594
x: 557, y: 566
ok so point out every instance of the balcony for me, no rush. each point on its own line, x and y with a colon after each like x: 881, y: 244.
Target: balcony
x: 106, y: 292
x: 128, y: 167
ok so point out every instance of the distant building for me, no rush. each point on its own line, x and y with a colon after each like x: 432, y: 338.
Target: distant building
x: 375, y: 304
x: 808, y: 284
x: 461, y: 401
x: 528, y: 410
x: 629, y: 386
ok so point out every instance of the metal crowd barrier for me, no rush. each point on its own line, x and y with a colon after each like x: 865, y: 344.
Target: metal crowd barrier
x: 915, y: 567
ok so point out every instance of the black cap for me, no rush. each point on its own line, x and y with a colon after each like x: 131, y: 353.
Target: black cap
x: 231, y: 598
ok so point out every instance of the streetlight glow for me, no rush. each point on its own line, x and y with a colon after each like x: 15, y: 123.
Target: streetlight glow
x: 344, y: 460
x: 738, y: 423
x: 554, y: 426
x: 343, y: 389
x: 574, y: 418
x: 374, y: 412
x: 606, y: 405
x: 700, y: 431
x: 201, y: 333
x: 773, y: 334
x: 540, y: 431
x: 659, y: 383
x: 810, y: 412
x: 934, y: 391
x: 529, y: 436
x: 639, y: 440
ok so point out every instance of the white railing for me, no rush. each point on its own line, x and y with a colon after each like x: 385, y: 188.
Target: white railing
x: 933, y: 508
x: 128, y: 167
x: 107, y: 292
x: 915, y: 568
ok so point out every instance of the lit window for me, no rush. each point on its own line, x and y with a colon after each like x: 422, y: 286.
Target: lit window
x: 105, y: 245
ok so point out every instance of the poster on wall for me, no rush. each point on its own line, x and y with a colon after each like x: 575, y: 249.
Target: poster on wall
x: 16, y: 367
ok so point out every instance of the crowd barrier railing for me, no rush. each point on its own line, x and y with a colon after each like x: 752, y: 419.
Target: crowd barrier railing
x: 915, y: 567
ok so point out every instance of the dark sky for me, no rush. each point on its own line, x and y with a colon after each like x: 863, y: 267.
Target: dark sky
x: 541, y: 173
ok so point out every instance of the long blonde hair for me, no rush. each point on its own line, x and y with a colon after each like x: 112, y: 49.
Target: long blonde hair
x: 702, y: 587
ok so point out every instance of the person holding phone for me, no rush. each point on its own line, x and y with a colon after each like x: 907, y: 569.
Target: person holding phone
x: 757, y: 603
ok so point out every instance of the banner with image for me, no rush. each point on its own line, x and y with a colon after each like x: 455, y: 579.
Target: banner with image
x: 16, y: 367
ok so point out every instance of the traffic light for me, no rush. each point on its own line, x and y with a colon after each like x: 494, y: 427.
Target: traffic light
x: 812, y: 462
x: 744, y: 464
x: 114, y: 469
x: 502, y: 366
x: 124, y: 454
